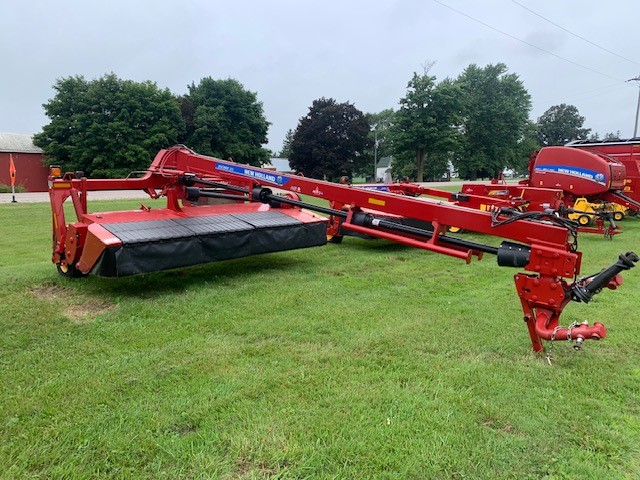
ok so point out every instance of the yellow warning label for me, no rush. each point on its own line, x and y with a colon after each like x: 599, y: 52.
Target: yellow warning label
x: 61, y: 185
x: 375, y: 201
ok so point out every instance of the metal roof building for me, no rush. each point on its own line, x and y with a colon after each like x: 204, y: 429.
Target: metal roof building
x: 18, y: 143
x: 31, y: 172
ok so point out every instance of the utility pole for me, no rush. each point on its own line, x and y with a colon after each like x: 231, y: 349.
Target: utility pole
x: 635, y: 127
x: 375, y: 159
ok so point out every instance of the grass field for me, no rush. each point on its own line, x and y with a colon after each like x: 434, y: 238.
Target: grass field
x: 359, y: 360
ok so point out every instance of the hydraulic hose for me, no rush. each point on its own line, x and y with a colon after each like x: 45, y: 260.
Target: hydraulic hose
x: 509, y: 254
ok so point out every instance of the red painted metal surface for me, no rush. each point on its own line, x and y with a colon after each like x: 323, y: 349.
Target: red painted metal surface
x: 558, y: 176
x: 181, y: 160
x: 626, y: 152
x: 31, y: 173
x: 579, y: 173
x: 546, y: 250
x: 598, y: 172
x: 520, y: 196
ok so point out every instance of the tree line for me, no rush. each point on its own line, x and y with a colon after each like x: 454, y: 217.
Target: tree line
x: 478, y: 123
x: 109, y: 127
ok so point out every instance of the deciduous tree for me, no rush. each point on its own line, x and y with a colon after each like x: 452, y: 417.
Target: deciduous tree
x: 527, y: 144
x: 561, y: 124
x: 108, y: 126
x: 225, y: 120
x: 381, y: 125
x: 496, y: 112
x: 330, y: 140
x: 425, y: 129
x: 379, y: 139
x: 610, y: 136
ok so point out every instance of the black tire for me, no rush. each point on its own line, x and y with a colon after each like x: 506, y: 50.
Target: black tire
x: 69, y: 271
x: 618, y: 216
x: 334, y: 238
x: 584, y: 220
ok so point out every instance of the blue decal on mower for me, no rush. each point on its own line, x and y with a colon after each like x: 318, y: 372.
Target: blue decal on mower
x: 591, y: 175
x: 379, y: 188
x: 257, y: 174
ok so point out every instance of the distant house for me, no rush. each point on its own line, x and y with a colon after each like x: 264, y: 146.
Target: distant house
x: 31, y: 172
x: 383, y: 170
x: 279, y: 165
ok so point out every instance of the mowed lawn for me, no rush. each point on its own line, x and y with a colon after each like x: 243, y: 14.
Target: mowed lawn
x: 359, y: 360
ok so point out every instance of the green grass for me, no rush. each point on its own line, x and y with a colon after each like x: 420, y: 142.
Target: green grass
x: 359, y: 360
x: 7, y: 188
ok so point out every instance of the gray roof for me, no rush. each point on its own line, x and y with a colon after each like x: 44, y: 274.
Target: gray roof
x: 384, y: 162
x: 18, y: 143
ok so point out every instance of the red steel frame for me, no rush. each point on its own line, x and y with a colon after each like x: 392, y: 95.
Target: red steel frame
x: 487, y: 197
x: 533, y: 199
x: 543, y: 293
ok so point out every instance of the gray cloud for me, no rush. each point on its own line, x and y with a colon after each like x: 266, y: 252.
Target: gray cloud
x: 292, y: 52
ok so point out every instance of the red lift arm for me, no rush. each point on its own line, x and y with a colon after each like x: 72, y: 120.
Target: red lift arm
x: 542, y: 244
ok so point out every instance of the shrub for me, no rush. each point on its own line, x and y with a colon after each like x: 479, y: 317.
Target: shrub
x: 7, y: 188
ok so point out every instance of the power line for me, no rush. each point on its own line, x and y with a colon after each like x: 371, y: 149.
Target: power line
x: 597, y: 92
x: 528, y: 43
x: 575, y: 34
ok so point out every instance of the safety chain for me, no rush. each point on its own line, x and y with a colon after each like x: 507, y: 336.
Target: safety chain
x: 549, y: 349
x: 578, y: 345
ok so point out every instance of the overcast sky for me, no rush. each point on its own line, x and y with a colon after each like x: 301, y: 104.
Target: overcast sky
x: 293, y: 52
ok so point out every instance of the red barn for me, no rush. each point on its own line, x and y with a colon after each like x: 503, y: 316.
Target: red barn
x: 31, y: 172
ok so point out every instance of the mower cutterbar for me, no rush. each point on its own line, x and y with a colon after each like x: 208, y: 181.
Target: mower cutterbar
x: 116, y: 244
x: 248, y: 218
